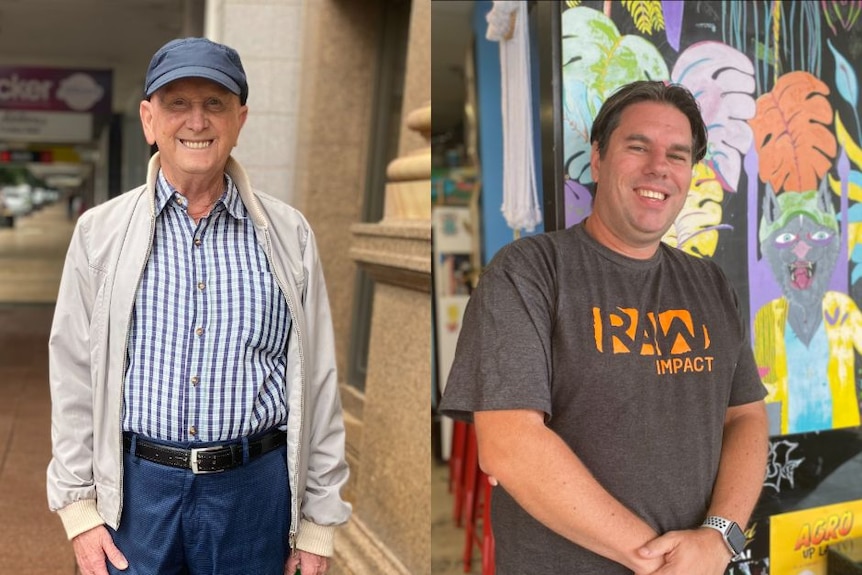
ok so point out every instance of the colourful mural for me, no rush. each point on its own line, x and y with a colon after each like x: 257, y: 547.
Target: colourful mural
x: 781, y: 178
x: 776, y: 201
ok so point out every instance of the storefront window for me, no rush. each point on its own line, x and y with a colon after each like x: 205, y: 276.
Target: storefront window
x: 383, y: 147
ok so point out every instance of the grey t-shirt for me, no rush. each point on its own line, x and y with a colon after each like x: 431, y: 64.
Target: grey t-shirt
x: 634, y: 363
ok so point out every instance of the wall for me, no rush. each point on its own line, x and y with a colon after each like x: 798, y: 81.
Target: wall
x: 269, y: 38
x: 312, y: 75
x: 306, y: 137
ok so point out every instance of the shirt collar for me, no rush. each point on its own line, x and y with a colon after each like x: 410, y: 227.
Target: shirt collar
x: 165, y: 192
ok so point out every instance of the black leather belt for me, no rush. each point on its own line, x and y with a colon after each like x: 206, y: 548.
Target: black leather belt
x: 211, y: 459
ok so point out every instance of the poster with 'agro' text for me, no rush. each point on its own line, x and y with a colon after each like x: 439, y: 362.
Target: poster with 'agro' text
x: 799, y: 540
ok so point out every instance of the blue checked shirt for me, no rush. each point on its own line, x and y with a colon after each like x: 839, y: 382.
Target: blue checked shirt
x: 209, y: 328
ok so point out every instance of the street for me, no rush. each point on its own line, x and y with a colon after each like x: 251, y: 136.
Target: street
x: 32, y: 540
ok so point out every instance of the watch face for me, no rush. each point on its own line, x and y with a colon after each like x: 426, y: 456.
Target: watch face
x: 736, y: 538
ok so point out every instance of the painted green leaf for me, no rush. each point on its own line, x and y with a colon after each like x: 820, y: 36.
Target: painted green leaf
x: 597, y: 60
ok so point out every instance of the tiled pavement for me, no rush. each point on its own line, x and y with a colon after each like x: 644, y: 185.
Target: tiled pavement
x: 32, y: 541
x: 32, y: 253
x: 447, y: 540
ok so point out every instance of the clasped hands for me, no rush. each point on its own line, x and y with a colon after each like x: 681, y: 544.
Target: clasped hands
x: 689, y: 552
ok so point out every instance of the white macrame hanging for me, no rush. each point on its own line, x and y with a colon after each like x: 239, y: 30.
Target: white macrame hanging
x: 507, y: 24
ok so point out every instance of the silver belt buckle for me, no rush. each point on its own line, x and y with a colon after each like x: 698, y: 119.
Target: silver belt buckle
x: 193, y: 459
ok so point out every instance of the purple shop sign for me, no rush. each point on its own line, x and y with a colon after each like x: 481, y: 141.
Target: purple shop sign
x: 55, y: 89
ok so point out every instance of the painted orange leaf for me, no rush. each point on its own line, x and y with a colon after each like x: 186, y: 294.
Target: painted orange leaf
x: 791, y: 133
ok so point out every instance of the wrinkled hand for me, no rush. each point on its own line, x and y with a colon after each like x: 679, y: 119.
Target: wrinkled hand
x: 690, y: 552
x: 308, y: 563
x: 93, y: 547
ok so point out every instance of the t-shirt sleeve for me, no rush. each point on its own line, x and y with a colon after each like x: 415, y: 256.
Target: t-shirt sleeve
x: 503, y: 356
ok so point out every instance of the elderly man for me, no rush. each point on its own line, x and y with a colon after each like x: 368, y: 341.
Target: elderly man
x: 197, y: 426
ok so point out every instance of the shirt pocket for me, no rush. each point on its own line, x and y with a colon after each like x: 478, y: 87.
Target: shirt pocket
x: 262, y: 311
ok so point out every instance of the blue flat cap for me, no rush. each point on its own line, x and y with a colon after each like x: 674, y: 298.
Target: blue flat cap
x: 197, y: 58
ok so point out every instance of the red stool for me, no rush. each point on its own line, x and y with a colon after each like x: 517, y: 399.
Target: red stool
x: 488, y: 565
x: 456, y: 468
x: 477, y: 496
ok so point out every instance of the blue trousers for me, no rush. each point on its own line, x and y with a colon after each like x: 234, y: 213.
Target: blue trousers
x: 231, y: 523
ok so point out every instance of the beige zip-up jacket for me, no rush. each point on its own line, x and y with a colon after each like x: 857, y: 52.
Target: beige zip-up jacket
x: 88, y: 346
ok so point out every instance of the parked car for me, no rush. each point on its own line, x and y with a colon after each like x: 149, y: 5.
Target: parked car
x: 18, y: 199
x: 44, y: 196
x: 7, y: 218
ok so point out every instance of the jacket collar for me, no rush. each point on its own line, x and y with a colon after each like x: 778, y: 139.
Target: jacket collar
x: 233, y: 169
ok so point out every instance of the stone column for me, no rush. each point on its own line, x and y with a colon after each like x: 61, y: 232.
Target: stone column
x: 393, y: 495
x: 269, y: 37
x: 390, y: 531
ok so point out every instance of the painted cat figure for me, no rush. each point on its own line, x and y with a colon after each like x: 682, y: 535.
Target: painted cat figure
x: 804, y: 341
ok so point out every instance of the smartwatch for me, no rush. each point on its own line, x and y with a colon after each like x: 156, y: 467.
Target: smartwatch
x: 733, y: 536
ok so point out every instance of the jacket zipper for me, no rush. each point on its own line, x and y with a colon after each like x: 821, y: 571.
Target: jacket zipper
x: 294, y: 511
x: 126, y: 348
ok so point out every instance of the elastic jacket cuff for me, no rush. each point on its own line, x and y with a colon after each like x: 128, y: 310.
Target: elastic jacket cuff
x: 317, y: 539
x: 80, y: 516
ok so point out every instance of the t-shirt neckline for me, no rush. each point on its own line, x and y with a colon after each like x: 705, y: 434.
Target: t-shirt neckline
x: 616, y: 257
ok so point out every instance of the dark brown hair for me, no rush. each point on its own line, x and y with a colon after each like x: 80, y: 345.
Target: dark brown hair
x: 650, y: 91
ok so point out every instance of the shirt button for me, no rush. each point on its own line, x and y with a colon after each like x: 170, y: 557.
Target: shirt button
x: 195, y: 381
x: 201, y: 286
x: 193, y: 430
x: 197, y: 241
x: 178, y: 200
x: 199, y: 331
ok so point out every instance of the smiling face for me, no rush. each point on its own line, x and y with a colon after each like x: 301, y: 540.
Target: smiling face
x: 195, y: 123
x: 642, y: 178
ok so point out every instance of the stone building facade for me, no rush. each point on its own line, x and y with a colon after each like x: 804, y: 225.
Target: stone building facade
x: 322, y: 75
